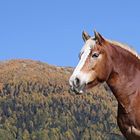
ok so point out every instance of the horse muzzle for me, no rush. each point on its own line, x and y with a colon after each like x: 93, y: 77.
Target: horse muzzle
x: 76, y: 85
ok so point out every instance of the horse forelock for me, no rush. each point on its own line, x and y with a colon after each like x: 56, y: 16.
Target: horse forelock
x: 88, y: 45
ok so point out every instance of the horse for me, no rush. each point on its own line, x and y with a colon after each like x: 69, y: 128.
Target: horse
x: 104, y: 60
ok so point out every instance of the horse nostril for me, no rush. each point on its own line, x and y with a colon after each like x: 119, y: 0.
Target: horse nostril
x: 77, y: 82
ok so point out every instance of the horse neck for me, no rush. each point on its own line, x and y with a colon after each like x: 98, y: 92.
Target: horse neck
x: 125, y: 76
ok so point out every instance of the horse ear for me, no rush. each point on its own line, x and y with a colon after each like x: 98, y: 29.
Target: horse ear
x: 98, y: 37
x: 85, y: 36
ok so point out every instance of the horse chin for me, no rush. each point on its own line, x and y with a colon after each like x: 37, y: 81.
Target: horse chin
x: 79, y: 90
x: 83, y: 88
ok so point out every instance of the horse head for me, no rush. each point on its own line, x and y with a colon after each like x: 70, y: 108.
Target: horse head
x: 93, y: 66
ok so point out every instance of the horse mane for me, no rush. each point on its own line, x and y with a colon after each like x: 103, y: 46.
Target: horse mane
x: 124, y: 46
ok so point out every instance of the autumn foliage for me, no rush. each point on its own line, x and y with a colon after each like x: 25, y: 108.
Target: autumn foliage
x: 36, y: 104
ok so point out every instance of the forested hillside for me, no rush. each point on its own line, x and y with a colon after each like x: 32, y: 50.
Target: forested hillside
x: 36, y: 104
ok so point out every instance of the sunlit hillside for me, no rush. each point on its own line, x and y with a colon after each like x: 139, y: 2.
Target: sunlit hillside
x: 36, y: 104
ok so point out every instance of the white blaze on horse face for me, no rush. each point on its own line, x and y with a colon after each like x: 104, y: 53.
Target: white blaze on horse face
x: 83, y: 76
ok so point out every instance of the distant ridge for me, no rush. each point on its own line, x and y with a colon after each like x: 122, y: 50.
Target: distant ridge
x: 36, y: 104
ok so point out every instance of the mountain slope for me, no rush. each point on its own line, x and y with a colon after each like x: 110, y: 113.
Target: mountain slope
x: 36, y: 104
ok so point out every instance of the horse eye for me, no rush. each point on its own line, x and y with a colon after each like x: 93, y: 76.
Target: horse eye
x: 95, y: 55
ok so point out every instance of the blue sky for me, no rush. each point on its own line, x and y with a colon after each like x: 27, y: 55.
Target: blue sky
x: 50, y: 30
